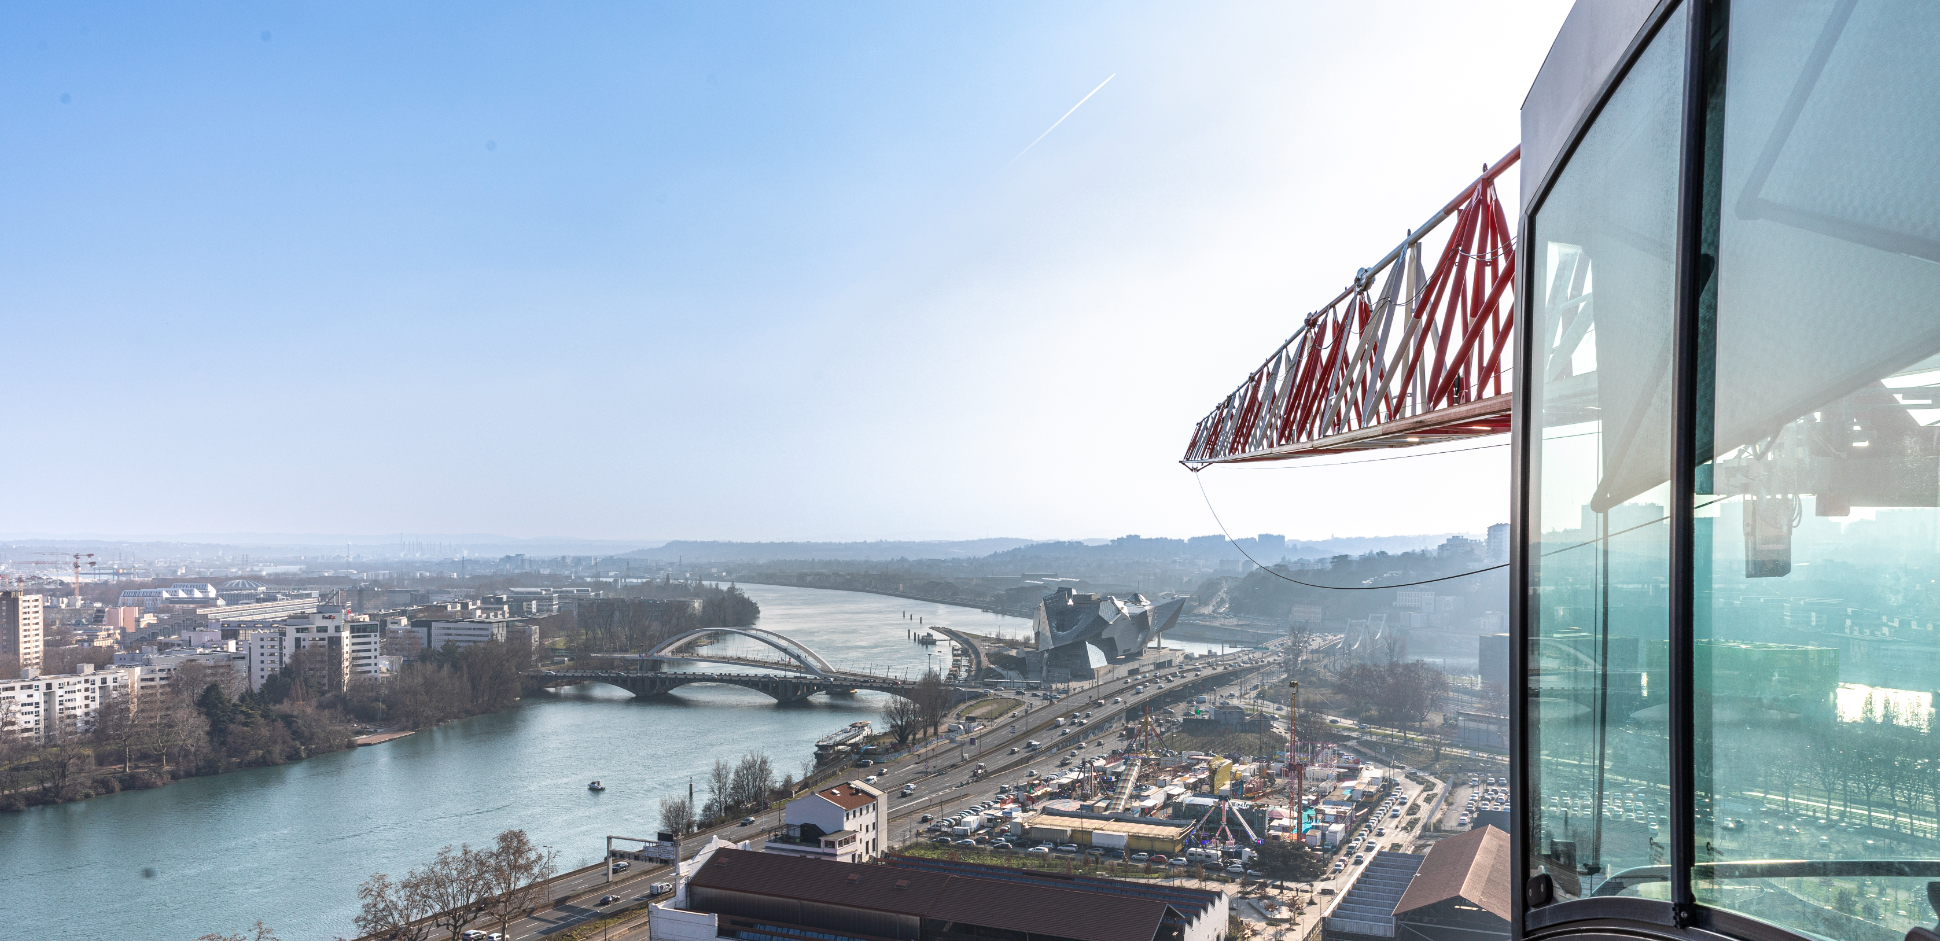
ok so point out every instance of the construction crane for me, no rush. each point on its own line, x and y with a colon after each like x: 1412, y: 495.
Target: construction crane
x: 1413, y: 357
x: 73, y: 559
x: 1296, y: 768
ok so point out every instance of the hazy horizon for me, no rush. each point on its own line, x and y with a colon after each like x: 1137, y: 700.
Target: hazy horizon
x: 749, y: 272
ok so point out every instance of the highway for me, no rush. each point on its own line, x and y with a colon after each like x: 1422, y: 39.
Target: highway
x: 943, y: 775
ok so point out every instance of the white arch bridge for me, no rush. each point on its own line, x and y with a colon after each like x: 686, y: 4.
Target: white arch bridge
x: 799, y: 673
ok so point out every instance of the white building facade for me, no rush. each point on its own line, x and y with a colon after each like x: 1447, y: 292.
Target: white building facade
x: 847, y: 823
x: 44, y: 708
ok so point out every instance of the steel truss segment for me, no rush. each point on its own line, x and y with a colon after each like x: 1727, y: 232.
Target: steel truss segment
x: 1418, y: 361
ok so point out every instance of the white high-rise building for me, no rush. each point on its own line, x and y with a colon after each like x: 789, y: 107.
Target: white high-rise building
x: 21, y: 627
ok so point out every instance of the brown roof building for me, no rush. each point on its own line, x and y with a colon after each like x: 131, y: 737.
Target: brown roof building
x: 1458, y: 892
x: 789, y: 897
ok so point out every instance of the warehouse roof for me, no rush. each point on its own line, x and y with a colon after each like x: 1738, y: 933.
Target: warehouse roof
x: 1037, y: 908
x: 1166, y: 830
x: 1473, y: 866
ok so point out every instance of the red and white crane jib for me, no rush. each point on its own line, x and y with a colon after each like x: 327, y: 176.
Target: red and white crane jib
x: 1418, y: 361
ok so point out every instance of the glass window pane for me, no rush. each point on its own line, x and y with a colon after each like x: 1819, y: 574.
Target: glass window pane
x: 1604, y: 257
x: 1816, y: 546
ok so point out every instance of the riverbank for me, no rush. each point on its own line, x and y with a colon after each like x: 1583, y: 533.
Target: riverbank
x: 379, y: 738
x: 215, y: 853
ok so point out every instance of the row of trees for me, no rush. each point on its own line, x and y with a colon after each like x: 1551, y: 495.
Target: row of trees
x: 742, y: 787
x: 1395, y: 694
x: 442, y: 684
x: 500, y: 883
x: 206, y: 720
x: 923, y: 710
x: 202, y: 722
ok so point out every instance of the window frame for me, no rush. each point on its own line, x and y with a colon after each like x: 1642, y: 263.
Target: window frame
x: 1534, y: 914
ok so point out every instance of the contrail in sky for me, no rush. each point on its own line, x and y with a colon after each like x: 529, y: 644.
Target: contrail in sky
x: 1054, y: 124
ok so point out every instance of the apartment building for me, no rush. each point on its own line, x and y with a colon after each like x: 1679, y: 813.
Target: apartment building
x: 21, y: 627
x: 343, y: 647
x: 47, y: 707
x: 157, y: 669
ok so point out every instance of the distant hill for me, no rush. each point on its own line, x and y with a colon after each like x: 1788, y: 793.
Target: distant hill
x: 695, y: 550
x: 1216, y: 547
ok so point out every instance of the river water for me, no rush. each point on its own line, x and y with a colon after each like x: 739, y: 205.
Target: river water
x: 290, y: 844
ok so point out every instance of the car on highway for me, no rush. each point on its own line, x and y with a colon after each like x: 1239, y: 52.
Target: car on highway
x: 927, y: 818
x: 622, y: 866
x: 607, y: 900
x: 660, y: 888
x: 473, y: 935
x: 747, y: 821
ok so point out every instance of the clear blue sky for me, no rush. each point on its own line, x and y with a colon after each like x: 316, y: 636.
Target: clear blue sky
x: 746, y: 271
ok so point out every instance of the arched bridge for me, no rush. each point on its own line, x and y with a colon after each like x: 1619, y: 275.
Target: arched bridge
x: 784, y: 687
x: 802, y: 674
x: 804, y: 659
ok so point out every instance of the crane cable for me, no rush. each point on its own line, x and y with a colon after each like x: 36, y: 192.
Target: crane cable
x: 1426, y: 581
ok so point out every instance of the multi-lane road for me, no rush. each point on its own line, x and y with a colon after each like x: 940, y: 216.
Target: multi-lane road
x: 943, y: 774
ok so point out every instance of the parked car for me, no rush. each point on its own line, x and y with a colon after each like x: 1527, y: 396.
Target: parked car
x: 1144, y: 857
x: 1039, y: 849
x: 941, y: 840
x: 927, y: 818
x: 1068, y: 848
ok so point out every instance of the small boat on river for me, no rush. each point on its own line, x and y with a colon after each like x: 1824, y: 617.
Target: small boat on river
x: 596, y: 786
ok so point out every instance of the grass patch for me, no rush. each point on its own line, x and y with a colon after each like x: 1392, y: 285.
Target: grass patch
x: 1226, y: 743
x: 1031, y: 861
x: 990, y: 708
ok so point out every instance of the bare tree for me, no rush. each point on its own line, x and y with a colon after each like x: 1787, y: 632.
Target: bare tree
x: 263, y: 933
x: 754, y: 778
x: 515, y: 873
x: 720, y: 789
x: 453, y: 886
x: 676, y: 816
x: 392, y: 910
x: 118, y: 725
x: 904, y: 717
x: 178, y: 726
x: 933, y: 698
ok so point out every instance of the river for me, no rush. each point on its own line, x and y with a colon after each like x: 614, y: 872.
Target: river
x: 290, y: 844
